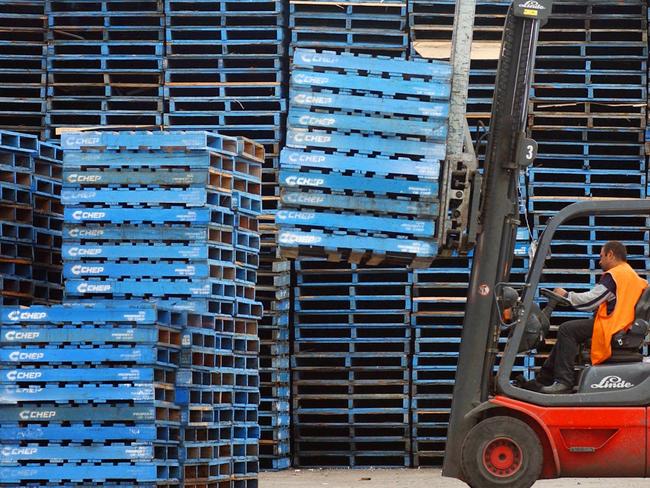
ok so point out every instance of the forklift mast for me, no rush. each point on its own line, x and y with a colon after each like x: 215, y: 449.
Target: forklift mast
x: 508, y: 152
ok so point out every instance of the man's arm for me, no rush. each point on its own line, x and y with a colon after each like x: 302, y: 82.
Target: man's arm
x: 590, y: 300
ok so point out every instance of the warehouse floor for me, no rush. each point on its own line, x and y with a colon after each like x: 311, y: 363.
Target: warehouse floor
x: 410, y: 478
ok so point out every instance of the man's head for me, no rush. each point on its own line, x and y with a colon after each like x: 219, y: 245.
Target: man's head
x: 612, y: 254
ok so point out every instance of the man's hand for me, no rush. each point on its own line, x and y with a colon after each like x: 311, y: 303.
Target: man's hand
x: 561, y: 291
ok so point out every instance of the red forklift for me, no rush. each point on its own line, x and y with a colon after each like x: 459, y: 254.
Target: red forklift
x: 500, y: 433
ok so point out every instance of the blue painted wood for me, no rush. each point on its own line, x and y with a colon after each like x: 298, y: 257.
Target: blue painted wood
x: 108, y: 232
x: 96, y: 473
x: 191, y: 197
x: 387, y: 86
x: 139, y: 355
x: 297, y: 159
x: 172, y: 251
x: 302, y: 139
x: 195, y: 288
x: 296, y: 238
x: 435, y: 130
x: 182, y: 140
x: 76, y: 375
x: 75, y: 161
x: 136, y: 311
x: 73, y: 393
x: 419, y: 228
x: 139, y: 412
x: 387, y: 106
x: 97, y: 335
x: 12, y: 454
x: 145, y: 177
x: 311, y: 58
x: 72, y: 269
x: 358, y: 184
x: 296, y: 199
x: 122, y: 215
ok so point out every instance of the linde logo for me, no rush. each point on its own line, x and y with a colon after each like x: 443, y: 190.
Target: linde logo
x: 284, y: 215
x: 288, y: 238
x: 611, y: 382
x: 16, y: 375
x: 19, y: 451
x: 303, y: 180
x: 26, y: 356
x: 86, y: 232
x: 79, y: 269
x: 305, y: 158
x: 316, y: 58
x: 308, y: 137
x: 300, y: 198
x: 75, y: 178
x: 78, y: 251
x: 37, y: 414
x: 89, y: 288
x: 18, y: 315
x: 80, y: 214
x: 310, y: 120
x: 532, y: 4
x: 310, y: 79
x: 306, y: 99
x: 14, y: 335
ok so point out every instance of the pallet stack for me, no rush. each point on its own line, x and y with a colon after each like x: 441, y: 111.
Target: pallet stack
x: 588, y: 112
x: 104, y: 64
x: 351, y: 26
x: 88, y: 396
x: 172, y: 217
x: 31, y: 219
x: 23, y: 27
x: 350, y: 365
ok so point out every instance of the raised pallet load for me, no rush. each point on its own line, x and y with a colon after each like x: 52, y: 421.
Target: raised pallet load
x: 588, y: 114
x: 350, y: 365
x: 375, y: 27
x: 356, y: 184
x: 88, y: 396
x: 23, y: 27
x: 104, y: 64
x: 31, y: 219
x: 172, y: 217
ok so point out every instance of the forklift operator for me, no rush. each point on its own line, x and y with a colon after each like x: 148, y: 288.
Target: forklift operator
x: 613, y: 300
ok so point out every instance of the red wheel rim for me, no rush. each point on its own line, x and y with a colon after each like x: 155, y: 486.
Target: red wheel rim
x: 502, y: 457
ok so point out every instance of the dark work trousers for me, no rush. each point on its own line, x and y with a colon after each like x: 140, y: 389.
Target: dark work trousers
x: 560, y: 363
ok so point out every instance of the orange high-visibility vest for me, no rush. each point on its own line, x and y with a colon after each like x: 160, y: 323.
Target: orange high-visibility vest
x: 629, y: 287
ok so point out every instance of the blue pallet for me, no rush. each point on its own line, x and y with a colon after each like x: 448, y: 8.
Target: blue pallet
x: 133, y: 215
x: 97, y: 335
x: 36, y: 355
x: 291, y: 198
x: 290, y: 238
x: 143, y: 177
x: 94, y: 473
x: 330, y: 221
x: 192, y: 197
x: 123, y: 232
x: 71, y: 393
x: 72, y: 269
x: 163, y: 288
x: 358, y: 184
x: 75, y: 162
x: 432, y: 130
x: 302, y: 139
x: 127, y: 251
x: 18, y: 142
x: 12, y: 454
x: 139, y: 312
x: 76, y: 375
x: 140, y: 412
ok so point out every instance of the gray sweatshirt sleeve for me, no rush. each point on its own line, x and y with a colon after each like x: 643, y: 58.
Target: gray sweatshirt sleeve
x: 590, y: 300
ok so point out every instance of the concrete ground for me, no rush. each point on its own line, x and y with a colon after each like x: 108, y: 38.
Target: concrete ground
x: 411, y: 478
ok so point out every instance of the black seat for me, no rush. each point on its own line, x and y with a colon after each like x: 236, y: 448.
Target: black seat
x: 627, y: 343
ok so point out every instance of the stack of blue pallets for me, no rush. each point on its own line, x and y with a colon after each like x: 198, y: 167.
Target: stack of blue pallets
x: 355, y: 183
x: 88, y: 396
x: 22, y: 65
x: 104, y: 64
x: 172, y: 217
x: 353, y: 26
x: 30, y: 220
x: 350, y: 365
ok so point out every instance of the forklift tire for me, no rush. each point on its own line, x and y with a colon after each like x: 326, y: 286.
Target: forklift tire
x: 501, y: 452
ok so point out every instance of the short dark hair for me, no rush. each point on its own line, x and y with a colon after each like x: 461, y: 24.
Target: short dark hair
x: 616, y: 247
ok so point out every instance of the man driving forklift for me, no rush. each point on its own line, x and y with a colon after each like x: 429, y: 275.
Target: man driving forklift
x: 613, y: 300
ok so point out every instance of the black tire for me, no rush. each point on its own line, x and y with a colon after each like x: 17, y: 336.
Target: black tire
x: 501, y: 452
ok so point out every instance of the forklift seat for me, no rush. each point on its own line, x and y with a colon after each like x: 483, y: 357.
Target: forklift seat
x: 626, y: 344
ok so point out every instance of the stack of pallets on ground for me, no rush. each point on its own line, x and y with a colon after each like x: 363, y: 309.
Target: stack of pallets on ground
x: 88, y: 396
x: 353, y: 26
x: 104, y: 64
x: 588, y: 112
x: 359, y: 176
x: 23, y: 27
x: 30, y: 220
x: 172, y: 217
x: 350, y: 365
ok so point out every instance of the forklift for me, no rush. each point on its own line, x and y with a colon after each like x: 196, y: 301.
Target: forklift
x: 500, y: 433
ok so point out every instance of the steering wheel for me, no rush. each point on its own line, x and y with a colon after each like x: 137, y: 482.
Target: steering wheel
x: 554, y: 297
